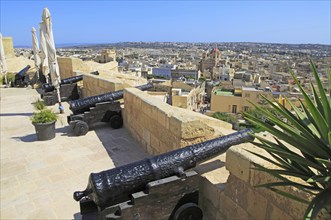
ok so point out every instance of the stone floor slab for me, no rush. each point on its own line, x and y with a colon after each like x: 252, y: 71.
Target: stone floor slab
x: 39, y: 177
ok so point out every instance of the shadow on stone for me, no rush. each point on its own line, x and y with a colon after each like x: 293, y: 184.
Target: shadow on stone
x: 207, y: 167
x: 40, y: 91
x: 66, y: 131
x: 16, y: 114
x: 33, y: 137
x: 120, y: 145
x: 88, y: 216
x: 27, y: 138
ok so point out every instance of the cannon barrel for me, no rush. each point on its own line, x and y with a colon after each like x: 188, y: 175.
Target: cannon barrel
x: 116, y: 185
x: 84, y: 104
x: 70, y: 80
x: 47, y: 87
x: 23, y: 71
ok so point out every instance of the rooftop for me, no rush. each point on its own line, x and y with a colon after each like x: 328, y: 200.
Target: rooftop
x: 249, y: 89
x: 223, y: 93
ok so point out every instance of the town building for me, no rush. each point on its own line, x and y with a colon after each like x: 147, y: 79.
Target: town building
x: 188, y: 74
x: 161, y: 72
x: 106, y: 56
x: 209, y: 61
x: 237, y: 100
x: 188, y: 99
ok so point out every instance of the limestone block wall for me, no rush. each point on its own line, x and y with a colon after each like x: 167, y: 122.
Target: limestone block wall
x: 8, y: 47
x: 68, y: 66
x: 160, y: 128
x: 238, y: 198
x: 224, y: 194
x: 94, y: 85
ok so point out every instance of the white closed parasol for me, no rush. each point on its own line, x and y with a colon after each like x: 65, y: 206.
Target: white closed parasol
x: 43, y: 51
x: 51, y: 52
x: 3, y: 60
x: 36, y: 51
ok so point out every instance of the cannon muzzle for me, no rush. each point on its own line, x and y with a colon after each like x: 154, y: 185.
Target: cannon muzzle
x: 116, y: 185
x: 82, y: 105
x: 22, y: 78
x: 23, y: 71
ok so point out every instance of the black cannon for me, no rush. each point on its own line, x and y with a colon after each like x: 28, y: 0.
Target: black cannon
x: 95, y: 73
x: 82, y: 105
x: 68, y: 90
x: 115, y: 186
x: 100, y: 108
x: 47, y: 87
x: 22, y: 79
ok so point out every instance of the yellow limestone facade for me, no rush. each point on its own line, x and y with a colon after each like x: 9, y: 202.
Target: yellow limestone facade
x: 8, y: 47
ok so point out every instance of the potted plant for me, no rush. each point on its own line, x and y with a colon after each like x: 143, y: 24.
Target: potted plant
x: 44, y: 121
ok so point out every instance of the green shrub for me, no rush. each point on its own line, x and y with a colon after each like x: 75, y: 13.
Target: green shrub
x: 39, y: 105
x: 232, y: 119
x: 43, y: 116
x: 308, y: 131
x: 10, y: 78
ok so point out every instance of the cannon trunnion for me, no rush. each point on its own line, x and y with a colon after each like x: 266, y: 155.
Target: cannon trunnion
x: 115, y: 186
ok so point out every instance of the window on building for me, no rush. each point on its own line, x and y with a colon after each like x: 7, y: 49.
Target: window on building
x: 246, y: 108
x: 234, y: 109
x: 247, y: 95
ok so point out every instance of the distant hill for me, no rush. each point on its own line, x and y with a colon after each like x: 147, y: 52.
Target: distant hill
x: 22, y: 46
x: 175, y: 44
x: 60, y: 45
x: 72, y: 45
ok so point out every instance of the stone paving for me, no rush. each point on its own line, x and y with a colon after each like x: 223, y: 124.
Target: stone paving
x: 38, y: 178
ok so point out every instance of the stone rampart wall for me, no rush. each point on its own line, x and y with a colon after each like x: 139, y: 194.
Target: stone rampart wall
x: 94, y: 85
x: 160, y: 127
x: 69, y: 66
x: 238, y: 198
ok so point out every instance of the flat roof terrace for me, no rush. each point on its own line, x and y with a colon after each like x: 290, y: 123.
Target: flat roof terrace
x: 38, y: 178
x: 223, y: 93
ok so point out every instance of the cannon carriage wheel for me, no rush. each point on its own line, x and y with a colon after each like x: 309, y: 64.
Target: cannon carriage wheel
x: 80, y: 128
x: 188, y: 211
x: 116, y: 121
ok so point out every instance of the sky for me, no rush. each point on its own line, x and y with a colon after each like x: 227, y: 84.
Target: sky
x: 293, y: 22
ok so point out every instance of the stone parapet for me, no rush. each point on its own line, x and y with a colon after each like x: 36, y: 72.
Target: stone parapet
x: 239, y: 198
x: 160, y: 127
x: 95, y: 85
x: 68, y: 66
x: 228, y: 182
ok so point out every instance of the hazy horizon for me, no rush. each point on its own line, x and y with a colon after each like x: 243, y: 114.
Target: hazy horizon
x: 91, y: 44
x: 107, y: 22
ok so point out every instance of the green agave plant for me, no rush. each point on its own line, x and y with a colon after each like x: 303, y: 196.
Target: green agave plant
x: 307, y: 129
